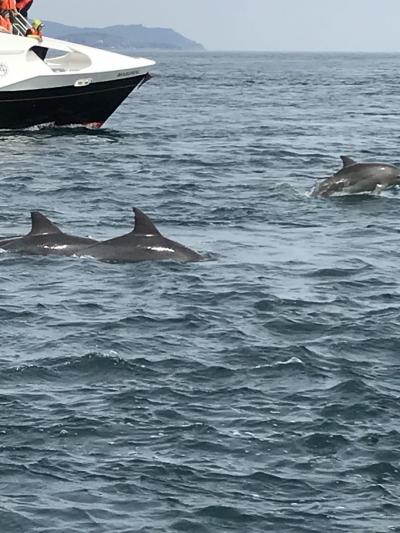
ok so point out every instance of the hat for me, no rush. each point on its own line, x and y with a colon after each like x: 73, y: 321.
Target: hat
x: 37, y: 23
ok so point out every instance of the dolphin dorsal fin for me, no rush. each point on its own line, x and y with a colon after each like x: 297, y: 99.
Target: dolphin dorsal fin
x: 347, y: 161
x: 143, y: 225
x: 41, y: 225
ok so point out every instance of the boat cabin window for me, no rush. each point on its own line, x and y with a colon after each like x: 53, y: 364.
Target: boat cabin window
x: 60, y: 60
x: 40, y: 51
x: 72, y: 61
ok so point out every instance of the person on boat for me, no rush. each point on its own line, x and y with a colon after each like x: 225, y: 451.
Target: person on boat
x: 5, y: 22
x: 23, y: 7
x: 35, y: 31
x: 9, y: 5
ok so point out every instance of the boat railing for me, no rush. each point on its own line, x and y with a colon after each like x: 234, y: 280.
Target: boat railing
x: 20, y: 24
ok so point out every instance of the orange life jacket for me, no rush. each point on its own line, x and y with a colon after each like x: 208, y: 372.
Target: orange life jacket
x: 34, y: 34
x: 22, y: 4
x: 10, y: 5
x: 5, y: 25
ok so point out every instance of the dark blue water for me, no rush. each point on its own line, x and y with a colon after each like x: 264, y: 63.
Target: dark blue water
x: 257, y: 391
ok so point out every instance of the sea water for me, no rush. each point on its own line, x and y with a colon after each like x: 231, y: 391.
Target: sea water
x: 255, y: 391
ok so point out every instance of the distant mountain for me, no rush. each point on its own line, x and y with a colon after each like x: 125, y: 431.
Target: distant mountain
x: 122, y: 37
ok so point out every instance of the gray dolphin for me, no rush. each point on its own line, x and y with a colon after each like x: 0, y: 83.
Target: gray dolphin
x: 359, y: 177
x: 144, y: 243
x: 45, y: 238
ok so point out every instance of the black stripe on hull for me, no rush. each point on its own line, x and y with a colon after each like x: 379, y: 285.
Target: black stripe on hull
x: 64, y: 106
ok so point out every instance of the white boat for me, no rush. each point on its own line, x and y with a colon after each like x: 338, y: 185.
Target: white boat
x: 61, y: 83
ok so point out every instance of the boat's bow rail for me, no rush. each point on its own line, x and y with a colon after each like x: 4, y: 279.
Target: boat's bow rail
x: 20, y: 24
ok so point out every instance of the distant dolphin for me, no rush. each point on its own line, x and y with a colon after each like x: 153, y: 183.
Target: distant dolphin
x: 45, y: 238
x: 144, y: 243
x: 358, y: 178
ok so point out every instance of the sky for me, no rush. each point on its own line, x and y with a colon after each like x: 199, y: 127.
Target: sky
x: 264, y: 25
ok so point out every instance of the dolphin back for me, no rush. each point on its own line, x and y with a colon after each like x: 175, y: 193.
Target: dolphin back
x: 144, y: 243
x: 356, y: 177
x: 45, y: 238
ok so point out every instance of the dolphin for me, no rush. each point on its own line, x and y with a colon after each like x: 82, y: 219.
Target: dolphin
x: 355, y: 178
x: 45, y: 238
x: 144, y: 243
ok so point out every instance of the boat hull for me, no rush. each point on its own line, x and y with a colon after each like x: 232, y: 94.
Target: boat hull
x: 89, y: 105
